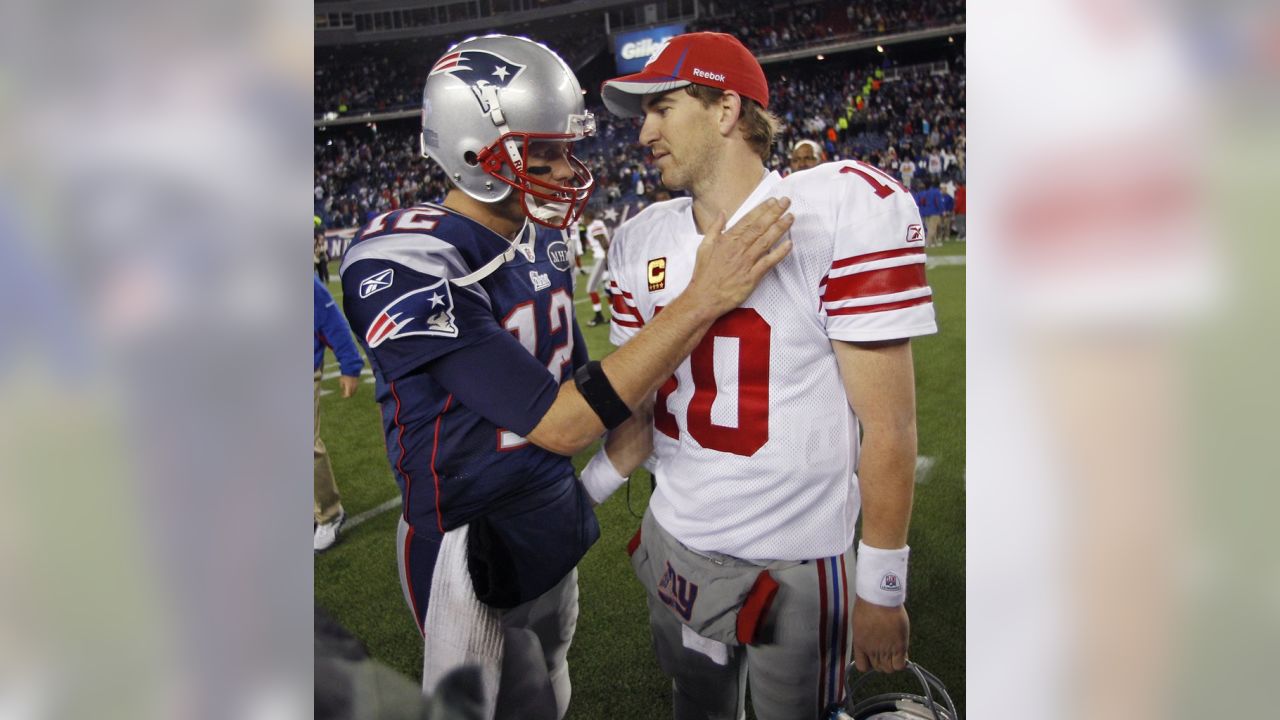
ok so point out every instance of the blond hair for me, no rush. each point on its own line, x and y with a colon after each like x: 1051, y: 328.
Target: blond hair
x: 758, y: 125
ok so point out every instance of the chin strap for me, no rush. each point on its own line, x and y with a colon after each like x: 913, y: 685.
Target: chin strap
x: 505, y: 257
x: 545, y: 210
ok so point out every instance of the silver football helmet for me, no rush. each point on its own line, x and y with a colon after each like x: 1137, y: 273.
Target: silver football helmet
x: 934, y: 704
x: 486, y: 102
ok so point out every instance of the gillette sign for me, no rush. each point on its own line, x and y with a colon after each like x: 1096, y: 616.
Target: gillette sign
x: 633, y: 49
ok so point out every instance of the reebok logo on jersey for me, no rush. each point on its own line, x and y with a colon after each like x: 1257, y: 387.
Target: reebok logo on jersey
x: 657, y: 274
x: 540, y: 280
x: 427, y: 311
x: 915, y: 233
x: 890, y: 583
x: 374, y: 283
x: 699, y: 72
x: 677, y: 592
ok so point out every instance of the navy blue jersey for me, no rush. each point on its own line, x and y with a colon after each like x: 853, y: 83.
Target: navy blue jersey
x: 470, y: 338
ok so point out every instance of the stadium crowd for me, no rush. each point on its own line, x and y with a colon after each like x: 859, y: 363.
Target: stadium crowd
x: 347, y: 83
x: 912, y: 125
x: 782, y: 26
x: 392, y: 79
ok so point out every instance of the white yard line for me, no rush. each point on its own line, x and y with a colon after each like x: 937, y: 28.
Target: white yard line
x: 924, y: 465
x: 336, y: 373
x: 372, y: 513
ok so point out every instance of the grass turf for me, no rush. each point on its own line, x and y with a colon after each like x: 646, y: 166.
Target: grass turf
x: 611, y: 661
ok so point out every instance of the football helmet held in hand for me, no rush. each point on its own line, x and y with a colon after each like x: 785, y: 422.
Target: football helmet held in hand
x: 934, y: 704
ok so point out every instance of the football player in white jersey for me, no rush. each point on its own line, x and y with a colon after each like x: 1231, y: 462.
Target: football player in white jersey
x: 795, y: 411
x: 598, y: 239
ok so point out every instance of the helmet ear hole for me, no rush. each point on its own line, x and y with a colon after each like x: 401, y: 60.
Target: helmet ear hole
x: 470, y: 158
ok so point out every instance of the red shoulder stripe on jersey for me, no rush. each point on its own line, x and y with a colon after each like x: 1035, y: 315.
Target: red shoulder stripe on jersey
x: 617, y: 319
x: 875, y: 282
x: 620, y: 309
x: 882, y: 255
x: 882, y: 307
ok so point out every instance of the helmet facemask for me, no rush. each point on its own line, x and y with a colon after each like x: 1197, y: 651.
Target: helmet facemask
x: 546, y: 202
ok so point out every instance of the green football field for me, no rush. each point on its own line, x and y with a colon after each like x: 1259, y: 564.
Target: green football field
x: 611, y: 663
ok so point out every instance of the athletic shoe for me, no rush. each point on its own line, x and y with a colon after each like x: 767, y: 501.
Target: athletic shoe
x: 598, y: 319
x: 327, y: 533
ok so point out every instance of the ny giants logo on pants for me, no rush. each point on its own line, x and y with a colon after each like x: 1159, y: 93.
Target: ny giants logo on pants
x: 677, y: 592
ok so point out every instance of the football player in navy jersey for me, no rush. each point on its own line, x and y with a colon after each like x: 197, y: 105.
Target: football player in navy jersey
x: 465, y: 310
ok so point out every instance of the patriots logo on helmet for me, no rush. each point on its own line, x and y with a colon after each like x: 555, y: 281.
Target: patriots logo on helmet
x: 427, y: 311
x: 479, y: 69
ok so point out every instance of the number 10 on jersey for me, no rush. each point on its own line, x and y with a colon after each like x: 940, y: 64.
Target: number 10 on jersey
x: 752, y: 334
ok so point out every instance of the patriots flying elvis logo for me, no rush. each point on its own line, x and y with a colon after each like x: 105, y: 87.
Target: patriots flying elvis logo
x: 479, y: 69
x: 427, y: 311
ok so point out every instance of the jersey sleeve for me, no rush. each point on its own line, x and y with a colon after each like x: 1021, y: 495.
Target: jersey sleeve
x: 500, y: 380
x: 334, y: 332
x: 624, y: 316
x: 875, y: 288
x: 407, y: 318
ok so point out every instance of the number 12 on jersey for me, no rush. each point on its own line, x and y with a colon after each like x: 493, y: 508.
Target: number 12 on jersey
x: 522, y: 323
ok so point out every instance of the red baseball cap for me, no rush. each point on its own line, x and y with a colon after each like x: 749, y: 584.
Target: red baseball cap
x: 704, y: 58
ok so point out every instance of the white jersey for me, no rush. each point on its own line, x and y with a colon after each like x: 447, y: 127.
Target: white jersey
x: 595, y: 231
x: 755, y: 441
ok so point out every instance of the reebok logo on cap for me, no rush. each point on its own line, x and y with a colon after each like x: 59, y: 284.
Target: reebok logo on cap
x: 699, y: 72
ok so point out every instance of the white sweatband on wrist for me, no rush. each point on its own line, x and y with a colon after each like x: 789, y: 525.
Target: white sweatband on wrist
x: 881, y: 575
x: 600, y: 478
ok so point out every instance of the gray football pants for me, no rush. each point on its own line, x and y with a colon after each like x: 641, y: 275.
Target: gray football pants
x: 797, y: 667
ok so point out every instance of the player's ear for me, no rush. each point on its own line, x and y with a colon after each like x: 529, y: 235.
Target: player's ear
x: 730, y: 111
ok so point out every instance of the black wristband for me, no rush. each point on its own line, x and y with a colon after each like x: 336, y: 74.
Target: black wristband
x: 595, y: 388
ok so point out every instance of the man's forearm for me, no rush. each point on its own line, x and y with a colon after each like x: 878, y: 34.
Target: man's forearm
x: 642, y: 364
x: 635, y: 371
x: 886, y: 478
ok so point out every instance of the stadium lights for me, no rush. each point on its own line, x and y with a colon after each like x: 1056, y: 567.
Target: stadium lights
x: 951, y: 39
x: 822, y: 57
x: 879, y: 48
